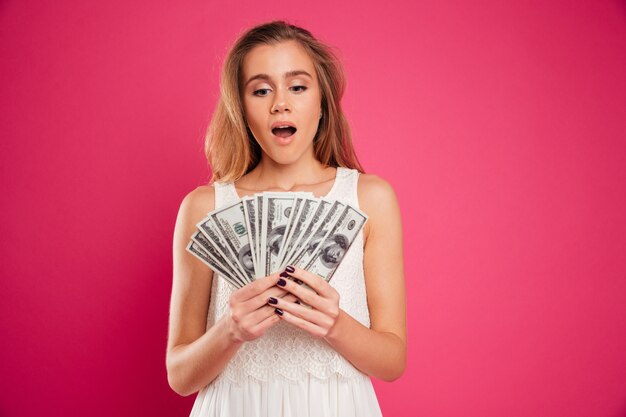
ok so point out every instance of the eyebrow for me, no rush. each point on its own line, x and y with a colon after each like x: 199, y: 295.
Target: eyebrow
x: 288, y: 74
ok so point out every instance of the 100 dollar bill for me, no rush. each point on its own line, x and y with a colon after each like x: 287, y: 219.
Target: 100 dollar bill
x: 277, y: 215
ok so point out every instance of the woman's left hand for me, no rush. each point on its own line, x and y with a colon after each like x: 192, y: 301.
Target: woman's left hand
x: 318, y: 319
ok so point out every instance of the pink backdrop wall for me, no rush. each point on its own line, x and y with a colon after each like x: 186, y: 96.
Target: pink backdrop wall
x: 501, y: 126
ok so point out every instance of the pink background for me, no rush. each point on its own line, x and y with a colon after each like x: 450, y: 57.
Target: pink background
x: 502, y: 128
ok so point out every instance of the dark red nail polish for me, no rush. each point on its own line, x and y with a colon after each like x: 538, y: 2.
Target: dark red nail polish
x: 282, y: 282
x: 290, y: 268
x: 272, y: 300
x: 278, y: 311
x: 284, y: 274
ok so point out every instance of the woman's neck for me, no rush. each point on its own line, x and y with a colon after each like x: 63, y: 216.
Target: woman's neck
x: 268, y: 174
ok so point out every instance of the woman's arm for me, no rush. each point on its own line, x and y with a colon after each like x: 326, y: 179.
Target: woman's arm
x: 379, y: 351
x: 195, y: 356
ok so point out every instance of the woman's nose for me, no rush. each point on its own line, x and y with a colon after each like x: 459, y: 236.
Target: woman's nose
x: 280, y: 103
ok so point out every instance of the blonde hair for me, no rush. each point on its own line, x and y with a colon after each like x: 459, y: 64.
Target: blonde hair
x: 230, y: 147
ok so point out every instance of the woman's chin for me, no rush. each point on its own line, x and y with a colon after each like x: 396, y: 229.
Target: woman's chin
x: 283, y: 159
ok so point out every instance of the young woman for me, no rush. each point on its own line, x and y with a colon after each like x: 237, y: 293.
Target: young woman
x: 274, y: 347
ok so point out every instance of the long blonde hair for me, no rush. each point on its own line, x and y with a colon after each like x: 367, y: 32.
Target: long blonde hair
x: 230, y: 147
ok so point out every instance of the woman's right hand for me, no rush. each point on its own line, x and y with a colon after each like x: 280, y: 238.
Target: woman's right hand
x: 250, y: 315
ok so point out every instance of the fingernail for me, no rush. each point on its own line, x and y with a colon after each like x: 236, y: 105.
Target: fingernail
x: 290, y: 268
x: 272, y: 300
x: 278, y: 311
x: 282, y: 282
x: 284, y: 274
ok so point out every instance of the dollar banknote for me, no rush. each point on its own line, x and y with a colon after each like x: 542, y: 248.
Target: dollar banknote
x: 277, y: 215
x: 258, y: 198
x: 296, y: 210
x: 250, y: 213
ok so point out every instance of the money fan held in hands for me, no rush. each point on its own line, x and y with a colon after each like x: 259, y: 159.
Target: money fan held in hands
x: 295, y: 228
x: 288, y: 285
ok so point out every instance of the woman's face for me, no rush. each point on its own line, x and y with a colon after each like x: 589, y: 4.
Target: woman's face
x: 334, y: 253
x: 280, y: 88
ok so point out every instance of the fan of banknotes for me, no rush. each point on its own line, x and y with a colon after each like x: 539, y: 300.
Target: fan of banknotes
x: 261, y: 234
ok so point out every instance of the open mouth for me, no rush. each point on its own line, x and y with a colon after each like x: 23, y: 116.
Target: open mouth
x: 284, y: 132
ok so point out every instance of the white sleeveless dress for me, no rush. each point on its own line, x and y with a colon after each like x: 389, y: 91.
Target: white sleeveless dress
x: 287, y: 372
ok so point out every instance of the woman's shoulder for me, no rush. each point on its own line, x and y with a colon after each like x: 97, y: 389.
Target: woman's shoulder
x: 374, y: 190
x: 378, y: 200
x: 201, y: 200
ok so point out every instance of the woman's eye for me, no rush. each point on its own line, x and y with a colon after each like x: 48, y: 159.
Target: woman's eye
x: 259, y: 92
x: 300, y: 86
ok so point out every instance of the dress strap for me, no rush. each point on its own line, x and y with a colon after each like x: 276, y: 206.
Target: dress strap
x: 345, y: 187
x: 354, y: 185
x: 225, y: 193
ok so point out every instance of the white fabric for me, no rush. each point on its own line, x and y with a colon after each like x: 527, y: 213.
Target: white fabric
x: 287, y: 372
x: 309, y: 397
